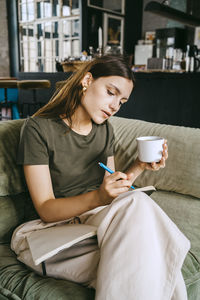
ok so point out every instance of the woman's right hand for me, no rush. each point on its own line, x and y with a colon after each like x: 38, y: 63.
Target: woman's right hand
x: 112, y: 186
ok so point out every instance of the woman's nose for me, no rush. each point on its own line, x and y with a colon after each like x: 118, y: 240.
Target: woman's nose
x: 114, y: 105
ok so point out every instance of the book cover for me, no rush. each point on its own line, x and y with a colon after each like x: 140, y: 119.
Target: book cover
x: 146, y: 188
x: 47, y: 242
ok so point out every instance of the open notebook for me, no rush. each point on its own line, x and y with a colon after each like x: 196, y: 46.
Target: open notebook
x: 47, y: 242
x: 146, y: 189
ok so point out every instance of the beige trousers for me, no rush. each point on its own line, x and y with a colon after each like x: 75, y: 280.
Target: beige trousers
x: 139, y: 254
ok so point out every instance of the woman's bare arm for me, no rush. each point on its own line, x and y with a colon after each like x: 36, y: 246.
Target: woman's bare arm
x: 52, y: 209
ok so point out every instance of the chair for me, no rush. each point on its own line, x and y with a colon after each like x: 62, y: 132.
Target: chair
x: 30, y: 106
x: 8, y: 99
x: 60, y: 84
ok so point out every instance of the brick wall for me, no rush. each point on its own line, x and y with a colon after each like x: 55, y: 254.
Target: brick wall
x: 4, y: 50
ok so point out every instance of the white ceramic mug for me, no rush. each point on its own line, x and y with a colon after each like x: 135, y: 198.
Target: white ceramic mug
x: 150, y: 148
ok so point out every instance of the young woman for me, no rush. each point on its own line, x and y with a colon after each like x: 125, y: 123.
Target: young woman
x: 139, y: 250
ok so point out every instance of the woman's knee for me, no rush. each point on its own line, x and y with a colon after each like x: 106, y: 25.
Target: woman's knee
x: 132, y: 197
x: 134, y: 202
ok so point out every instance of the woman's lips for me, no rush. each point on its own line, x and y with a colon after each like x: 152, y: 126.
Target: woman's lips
x: 106, y: 114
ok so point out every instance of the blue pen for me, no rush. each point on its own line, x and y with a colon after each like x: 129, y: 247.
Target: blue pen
x: 110, y: 171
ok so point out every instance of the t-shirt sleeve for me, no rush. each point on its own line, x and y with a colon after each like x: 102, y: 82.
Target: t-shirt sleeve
x: 111, y: 139
x: 32, y: 149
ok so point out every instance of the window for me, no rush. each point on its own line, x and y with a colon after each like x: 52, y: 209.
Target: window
x: 49, y: 30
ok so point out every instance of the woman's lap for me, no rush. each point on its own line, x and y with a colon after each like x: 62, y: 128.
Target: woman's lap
x: 118, y: 224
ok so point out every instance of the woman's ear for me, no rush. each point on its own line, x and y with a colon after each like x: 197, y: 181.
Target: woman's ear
x: 87, y: 80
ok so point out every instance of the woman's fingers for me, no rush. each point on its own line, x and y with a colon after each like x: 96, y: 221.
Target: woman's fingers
x: 118, y: 175
x: 156, y: 166
x: 117, y: 181
x: 165, y: 149
x: 162, y: 162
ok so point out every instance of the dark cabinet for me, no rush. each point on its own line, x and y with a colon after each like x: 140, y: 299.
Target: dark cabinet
x: 121, y: 24
x: 167, y: 98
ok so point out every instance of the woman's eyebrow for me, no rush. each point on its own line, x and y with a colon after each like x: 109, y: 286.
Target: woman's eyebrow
x: 116, y: 88
x: 118, y: 91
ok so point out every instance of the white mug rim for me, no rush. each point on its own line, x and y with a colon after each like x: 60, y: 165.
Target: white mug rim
x: 149, y: 138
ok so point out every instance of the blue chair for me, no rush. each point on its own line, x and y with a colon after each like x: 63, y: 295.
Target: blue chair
x: 9, y: 99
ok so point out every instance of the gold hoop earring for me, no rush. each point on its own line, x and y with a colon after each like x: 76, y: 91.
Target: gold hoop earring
x: 84, y: 88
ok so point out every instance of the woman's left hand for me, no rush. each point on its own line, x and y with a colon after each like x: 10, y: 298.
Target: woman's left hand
x: 156, y: 166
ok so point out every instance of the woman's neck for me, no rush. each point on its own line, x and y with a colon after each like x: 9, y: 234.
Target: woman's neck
x: 81, y: 123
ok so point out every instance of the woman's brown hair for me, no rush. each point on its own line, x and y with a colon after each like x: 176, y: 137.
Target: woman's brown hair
x: 67, y: 99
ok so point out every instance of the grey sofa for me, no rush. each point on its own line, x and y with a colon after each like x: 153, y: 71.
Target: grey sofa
x: 178, y: 193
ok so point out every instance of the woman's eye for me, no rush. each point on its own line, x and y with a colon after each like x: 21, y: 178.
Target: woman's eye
x: 110, y: 93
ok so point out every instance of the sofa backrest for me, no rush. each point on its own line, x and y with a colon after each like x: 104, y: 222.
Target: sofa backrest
x: 15, y: 204
x: 11, y: 175
x: 182, y: 171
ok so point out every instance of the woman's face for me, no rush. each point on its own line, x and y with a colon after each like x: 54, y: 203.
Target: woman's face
x: 104, y: 96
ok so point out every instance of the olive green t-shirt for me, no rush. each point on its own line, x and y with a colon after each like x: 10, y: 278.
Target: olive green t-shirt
x: 72, y: 158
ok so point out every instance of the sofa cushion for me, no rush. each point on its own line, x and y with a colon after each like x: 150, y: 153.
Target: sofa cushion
x: 182, y: 171
x: 18, y: 281
x: 15, y: 204
x: 26, y: 284
x: 6, y: 294
x: 11, y: 175
x: 15, y: 210
x: 184, y: 210
x: 191, y: 275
